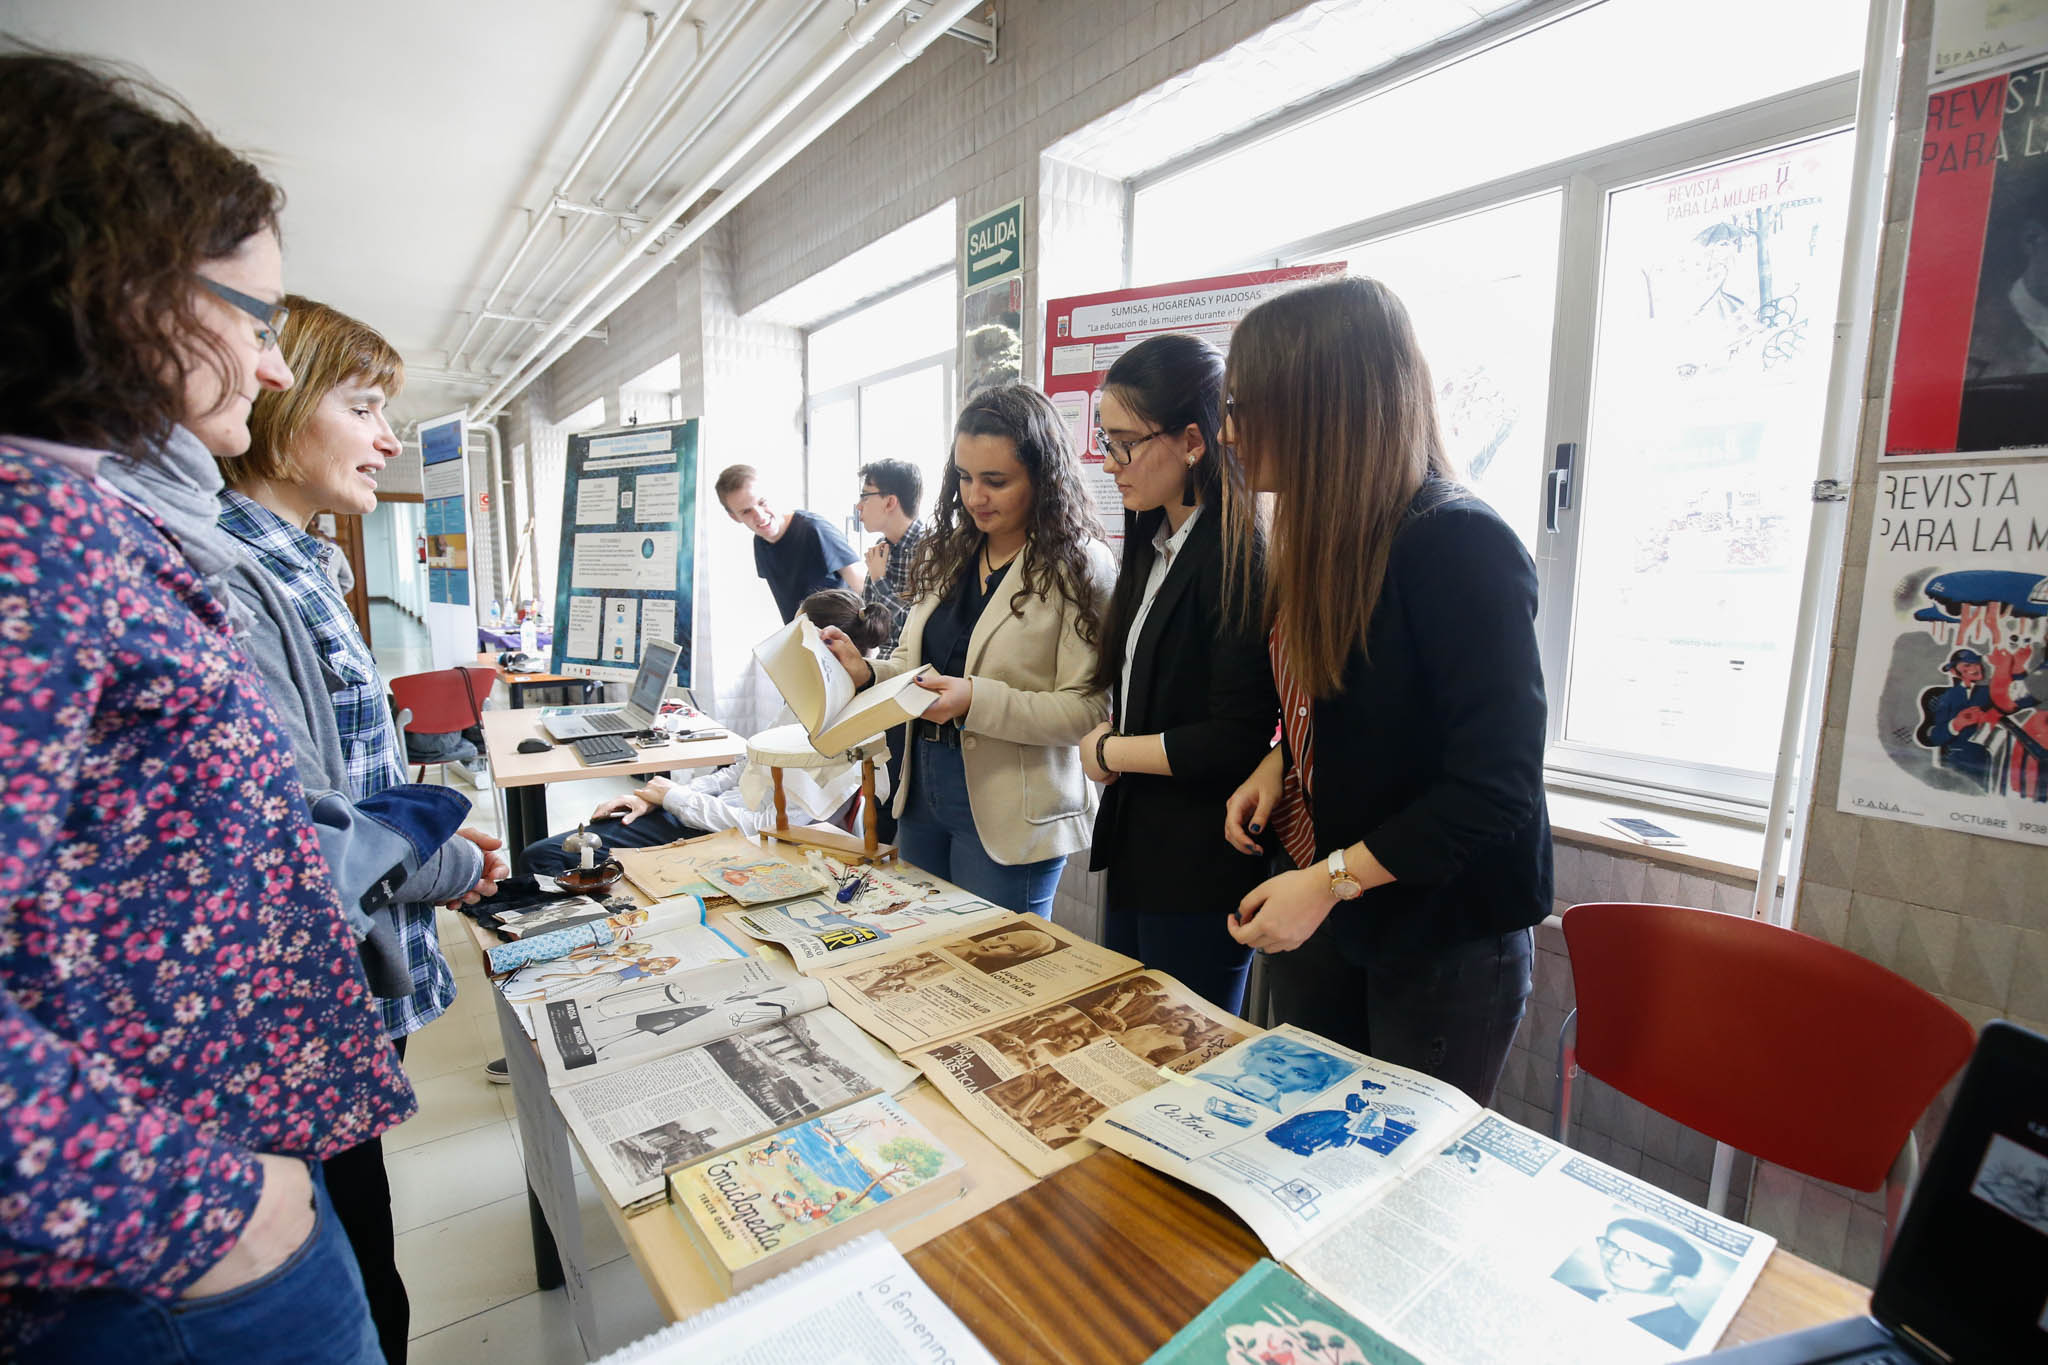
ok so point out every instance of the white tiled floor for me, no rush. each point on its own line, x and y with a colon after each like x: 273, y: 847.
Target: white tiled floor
x: 458, y: 1192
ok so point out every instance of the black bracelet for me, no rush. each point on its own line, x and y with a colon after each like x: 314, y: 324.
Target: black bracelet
x: 1102, y: 748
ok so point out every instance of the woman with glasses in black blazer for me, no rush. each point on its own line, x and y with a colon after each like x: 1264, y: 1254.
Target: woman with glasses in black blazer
x: 1184, y: 662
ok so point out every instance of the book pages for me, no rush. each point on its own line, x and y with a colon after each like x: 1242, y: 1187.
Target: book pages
x: 984, y: 975
x: 1508, y: 1247
x: 822, y: 696
x: 1034, y: 1083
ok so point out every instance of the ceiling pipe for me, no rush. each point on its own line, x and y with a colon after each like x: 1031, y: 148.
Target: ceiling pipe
x: 856, y: 35
x: 899, y: 54
x: 503, y: 342
x: 655, y: 40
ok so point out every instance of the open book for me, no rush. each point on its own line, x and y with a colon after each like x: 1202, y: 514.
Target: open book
x: 1450, y: 1231
x: 815, y: 685
x: 885, y: 913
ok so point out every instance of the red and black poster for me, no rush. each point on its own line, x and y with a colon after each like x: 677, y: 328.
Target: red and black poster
x: 1971, y: 371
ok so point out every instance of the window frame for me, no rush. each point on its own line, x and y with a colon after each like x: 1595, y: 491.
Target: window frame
x: 1586, y: 181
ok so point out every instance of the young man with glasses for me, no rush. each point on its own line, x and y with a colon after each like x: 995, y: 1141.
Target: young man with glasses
x: 890, y: 493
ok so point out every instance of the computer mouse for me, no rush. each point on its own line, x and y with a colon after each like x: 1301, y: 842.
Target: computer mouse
x: 534, y: 746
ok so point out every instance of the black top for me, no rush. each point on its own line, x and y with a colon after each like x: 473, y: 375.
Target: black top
x: 1202, y: 681
x: 1432, y: 752
x: 807, y: 559
x: 951, y: 624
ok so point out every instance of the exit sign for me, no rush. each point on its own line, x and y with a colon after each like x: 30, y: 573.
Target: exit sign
x: 995, y: 246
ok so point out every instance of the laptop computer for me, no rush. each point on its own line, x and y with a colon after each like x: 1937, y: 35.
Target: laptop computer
x: 1967, y: 1279
x: 643, y: 702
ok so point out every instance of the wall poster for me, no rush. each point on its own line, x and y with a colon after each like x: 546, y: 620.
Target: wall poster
x: 1087, y: 332
x: 629, y: 547
x: 1970, y: 375
x: 1947, y: 725
x: 444, y: 485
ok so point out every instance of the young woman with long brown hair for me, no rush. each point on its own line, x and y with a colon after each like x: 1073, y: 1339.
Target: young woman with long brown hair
x: 1408, y: 790
x: 1007, y: 595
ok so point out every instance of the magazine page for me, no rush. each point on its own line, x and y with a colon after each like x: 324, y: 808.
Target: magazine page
x: 1508, y: 1247
x: 635, y: 1125
x: 861, y: 1302
x: 1290, y: 1130
x: 1032, y: 1084
x: 549, y: 943
x: 606, y: 966
x: 671, y: 869
x: 820, y: 933
x: 759, y: 878
x: 602, y: 1032
x: 1269, y: 1316
x: 675, y: 912
x: 945, y: 985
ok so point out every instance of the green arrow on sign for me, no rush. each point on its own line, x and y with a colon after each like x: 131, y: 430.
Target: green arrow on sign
x: 994, y: 246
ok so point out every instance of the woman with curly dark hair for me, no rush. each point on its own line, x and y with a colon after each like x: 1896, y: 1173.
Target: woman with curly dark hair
x: 993, y: 796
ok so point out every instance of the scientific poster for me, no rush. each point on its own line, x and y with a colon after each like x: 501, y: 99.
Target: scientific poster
x: 1970, y: 375
x: 1086, y: 333
x: 628, y: 557
x: 444, y: 472
x: 1946, y: 725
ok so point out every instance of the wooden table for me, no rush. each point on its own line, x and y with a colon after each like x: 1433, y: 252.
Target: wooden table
x: 516, y: 683
x: 1101, y: 1263
x: 524, y: 777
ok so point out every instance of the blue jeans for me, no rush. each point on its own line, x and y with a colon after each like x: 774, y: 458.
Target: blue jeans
x: 937, y: 834
x: 1192, y: 947
x: 545, y: 858
x: 308, y: 1311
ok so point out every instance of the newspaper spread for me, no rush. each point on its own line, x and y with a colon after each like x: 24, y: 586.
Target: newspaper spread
x: 1032, y: 1084
x: 601, y: 1033
x: 987, y: 974
x: 671, y: 869
x: 822, y: 932
x: 635, y: 1125
x: 607, y: 966
x: 1460, y: 1236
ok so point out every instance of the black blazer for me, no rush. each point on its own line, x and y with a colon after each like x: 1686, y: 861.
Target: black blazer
x: 1432, y: 753
x: 1204, y: 683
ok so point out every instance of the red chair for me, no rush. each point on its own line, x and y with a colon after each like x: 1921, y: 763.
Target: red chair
x: 443, y: 702
x: 1773, y: 1042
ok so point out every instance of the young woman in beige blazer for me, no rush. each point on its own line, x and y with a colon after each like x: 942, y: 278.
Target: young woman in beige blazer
x: 1008, y: 591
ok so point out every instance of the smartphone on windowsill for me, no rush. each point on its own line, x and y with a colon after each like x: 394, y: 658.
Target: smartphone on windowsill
x: 1643, y: 831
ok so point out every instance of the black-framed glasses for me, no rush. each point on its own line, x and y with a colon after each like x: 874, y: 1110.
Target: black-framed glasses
x: 1230, y: 405
x: 269, y: 316
x: 1123, y: 451
x: 1630, y: 1256
x: 867, y: 493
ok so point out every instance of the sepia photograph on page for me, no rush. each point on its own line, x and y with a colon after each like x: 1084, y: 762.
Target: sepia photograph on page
x: 635, y: 1125
x: 928, y: 992
x: 1507, y: 1248
x: 1034, y: 1083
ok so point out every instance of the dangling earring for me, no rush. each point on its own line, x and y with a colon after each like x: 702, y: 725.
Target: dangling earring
x: 1187, y: 483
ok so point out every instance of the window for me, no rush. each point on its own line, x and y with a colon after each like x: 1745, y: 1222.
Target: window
x: 1620, y: 243
x: 654, y: 395
x: 880, y: 380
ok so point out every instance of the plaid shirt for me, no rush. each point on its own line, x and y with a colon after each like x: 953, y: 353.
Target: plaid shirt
x: 369, y: 740
x: 892, y: 589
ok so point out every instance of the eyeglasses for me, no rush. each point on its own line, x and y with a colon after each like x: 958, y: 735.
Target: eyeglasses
x: 1123, y: 451
x: 1629, y: 1256
x: 1230, y: 405
x: 270, y: 316
x: 867, y: 493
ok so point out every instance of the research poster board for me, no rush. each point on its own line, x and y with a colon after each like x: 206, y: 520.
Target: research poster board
x: 629, y: 547
x: 444, y: 487
x: 1086, y: 333
x: 1970, y: 372
x: 1945, y: 728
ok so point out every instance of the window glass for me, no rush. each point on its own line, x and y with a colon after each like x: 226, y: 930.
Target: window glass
x: 834, y: 455
x: 909, y: 418
x: 1710, y: 372
x: 1602, y: 76
x: 918, y: 322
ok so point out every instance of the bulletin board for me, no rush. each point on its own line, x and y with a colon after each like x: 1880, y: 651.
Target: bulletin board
x: 628, y: 552
x: 444, y: 482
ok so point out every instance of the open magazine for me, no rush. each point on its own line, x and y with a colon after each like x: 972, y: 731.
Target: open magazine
x: 835, y: 716
x: 600, y: 1033
x: 607, y: 966
x: 577, y: 927
x: 887, y: 910
x: 1456, y: 1234
x: 984, y: 973
x: 1034, y: 1082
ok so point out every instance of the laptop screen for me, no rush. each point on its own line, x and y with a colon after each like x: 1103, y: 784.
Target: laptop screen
x: 1969, y: 1271
x: 657, y: 667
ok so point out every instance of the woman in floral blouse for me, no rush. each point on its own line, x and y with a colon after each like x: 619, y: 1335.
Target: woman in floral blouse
x: 184, y: 1025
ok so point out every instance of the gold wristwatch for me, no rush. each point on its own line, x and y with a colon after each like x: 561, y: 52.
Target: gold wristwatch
x: 1343, y: 885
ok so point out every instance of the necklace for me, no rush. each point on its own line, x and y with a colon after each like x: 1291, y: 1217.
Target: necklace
x: 989, y: 566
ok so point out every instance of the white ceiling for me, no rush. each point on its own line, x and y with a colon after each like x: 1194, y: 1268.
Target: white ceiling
x: 410, y: 134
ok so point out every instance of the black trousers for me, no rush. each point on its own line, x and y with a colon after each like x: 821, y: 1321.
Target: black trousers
x: 1449, y: 1014
x: 361, y: 1193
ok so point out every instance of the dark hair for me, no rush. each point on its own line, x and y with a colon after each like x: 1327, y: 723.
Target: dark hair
x: 732, y: 479
x: 867, y: 624
x: 111, y: 197
x: 898, y: 477
x: 1334, y: 413
x: 1685, y: 1257
x: 1171, y: 382
x: 1062, y: 521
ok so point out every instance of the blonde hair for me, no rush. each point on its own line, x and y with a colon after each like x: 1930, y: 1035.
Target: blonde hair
x: 325, y: 349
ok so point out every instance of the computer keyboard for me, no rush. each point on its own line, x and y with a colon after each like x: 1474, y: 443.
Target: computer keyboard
x: 595, y: 750
x: 608, y: 723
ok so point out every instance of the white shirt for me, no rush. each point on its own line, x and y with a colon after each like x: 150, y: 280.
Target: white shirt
x: 1164, y: 548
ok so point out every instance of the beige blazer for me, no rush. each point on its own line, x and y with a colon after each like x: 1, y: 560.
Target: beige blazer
x: 1033, y: 701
